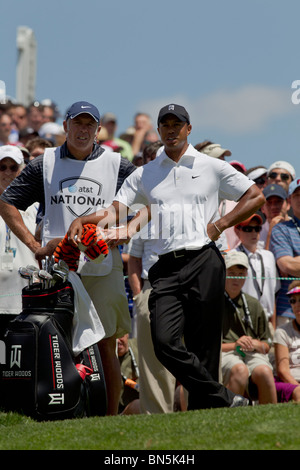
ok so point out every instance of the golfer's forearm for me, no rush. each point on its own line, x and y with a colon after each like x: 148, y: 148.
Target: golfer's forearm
x: 14, y: 221
x: 104, y: 218
x: 107, y: 217
x: 139, y: 221
x: 249, y: 203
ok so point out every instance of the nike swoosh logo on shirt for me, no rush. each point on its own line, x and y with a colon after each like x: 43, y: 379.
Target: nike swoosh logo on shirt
x: 197, y: 176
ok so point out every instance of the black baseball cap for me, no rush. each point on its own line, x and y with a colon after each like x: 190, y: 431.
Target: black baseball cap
x: 82, y: 107
x: 179, y: 111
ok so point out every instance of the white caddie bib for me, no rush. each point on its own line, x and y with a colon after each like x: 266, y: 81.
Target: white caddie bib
x: 74, y: 188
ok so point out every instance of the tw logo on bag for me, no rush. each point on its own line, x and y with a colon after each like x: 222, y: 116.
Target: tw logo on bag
x: 15, y: 355
x: 15, y: 362
x: 56, y: 398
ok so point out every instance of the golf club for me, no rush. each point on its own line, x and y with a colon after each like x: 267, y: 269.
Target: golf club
x: 34, y: 270
x: 45, y: 277
x: 25, y: 274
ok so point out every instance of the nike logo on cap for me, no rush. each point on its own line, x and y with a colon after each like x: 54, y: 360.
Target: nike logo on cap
x: 83, y: 107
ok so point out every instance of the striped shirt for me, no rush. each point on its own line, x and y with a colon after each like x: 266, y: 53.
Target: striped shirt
x: 285, y: 241
x: 28, y: 187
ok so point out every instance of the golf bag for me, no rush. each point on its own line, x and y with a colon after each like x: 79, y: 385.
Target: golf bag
x: 41, y: 377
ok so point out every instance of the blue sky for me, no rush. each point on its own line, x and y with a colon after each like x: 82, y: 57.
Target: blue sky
x: 231, y: 63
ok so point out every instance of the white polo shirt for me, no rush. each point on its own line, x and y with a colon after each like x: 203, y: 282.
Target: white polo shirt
x: 184, y: 197
x: 141, y: 246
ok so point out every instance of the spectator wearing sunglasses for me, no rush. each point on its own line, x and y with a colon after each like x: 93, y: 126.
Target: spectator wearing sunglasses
x: 285, y: 244
x: 282, y: 173
x: 287, y: 350
x: 262, y: 282
x: 13, y: 253
x: 258, y: 174
x: 11, y: 163
x: 276, y: 210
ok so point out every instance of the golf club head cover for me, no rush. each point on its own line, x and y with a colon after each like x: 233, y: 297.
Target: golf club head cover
x: 67, y: 252
x: 92, y: 243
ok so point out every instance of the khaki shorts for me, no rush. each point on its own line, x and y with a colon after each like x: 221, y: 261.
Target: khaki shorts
x: 252, y: 360
x: 109, y: 298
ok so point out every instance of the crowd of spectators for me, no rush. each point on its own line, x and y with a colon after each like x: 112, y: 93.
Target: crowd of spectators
x: 261, y: 334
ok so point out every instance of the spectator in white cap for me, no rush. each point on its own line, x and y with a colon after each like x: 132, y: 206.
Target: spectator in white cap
x: 53, y: 132
x: 13, y: 253
x: 246, y: 367
x: 258, y: 174
x: 282, y: 173
x: 11, y: 162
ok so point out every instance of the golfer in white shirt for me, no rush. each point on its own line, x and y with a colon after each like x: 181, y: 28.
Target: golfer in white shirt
x: 181, y: 189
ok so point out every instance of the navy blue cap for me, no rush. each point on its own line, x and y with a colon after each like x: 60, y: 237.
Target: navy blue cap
x: 275, y: 190
x: 179, y: 111
x: 83, y: 107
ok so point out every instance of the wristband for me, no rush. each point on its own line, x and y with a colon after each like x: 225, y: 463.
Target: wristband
x: 217, y: 228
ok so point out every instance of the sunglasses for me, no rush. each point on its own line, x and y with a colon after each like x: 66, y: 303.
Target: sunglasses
x: 293, y: 301
x: 283, y: 176
x: 250, y: 228
x: 260, y: 180
x: 13, y: 168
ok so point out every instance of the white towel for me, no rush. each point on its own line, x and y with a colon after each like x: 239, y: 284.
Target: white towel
x: 87, y: 326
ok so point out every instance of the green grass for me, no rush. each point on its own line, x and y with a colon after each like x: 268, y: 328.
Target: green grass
x: 267, y: 427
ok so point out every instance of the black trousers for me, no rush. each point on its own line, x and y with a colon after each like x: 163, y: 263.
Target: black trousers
x: 186, y: 309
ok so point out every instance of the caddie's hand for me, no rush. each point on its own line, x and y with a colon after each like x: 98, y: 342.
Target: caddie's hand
x: 46, y: 250
x: 74, y: 232
x: 116, y: 236
x: 213, y: 232
x: 93, y: 243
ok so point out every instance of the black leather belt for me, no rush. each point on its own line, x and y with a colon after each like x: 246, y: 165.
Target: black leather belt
x: 177, y: 254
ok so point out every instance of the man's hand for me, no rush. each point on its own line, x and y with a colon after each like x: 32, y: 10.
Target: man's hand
x: 116, y: 236
x: 246, y: 343
x: 213, y: 232
x: 42, y: 251
x: 74, y: 232
x: 93, y: 243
